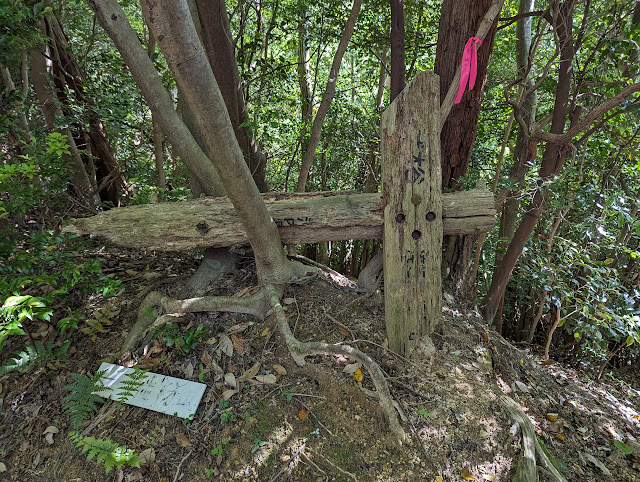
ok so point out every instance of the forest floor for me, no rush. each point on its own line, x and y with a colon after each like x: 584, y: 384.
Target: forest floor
x: 314, y: 423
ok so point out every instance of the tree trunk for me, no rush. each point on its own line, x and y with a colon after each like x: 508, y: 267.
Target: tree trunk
x: 111, y: 17
x: 327, y: 97
x: 398, y: 80
x: 41, y: 66
x: 177, y: 38
x: 552, y: 161
x: 156, y: 130
x: 459, y: 21
x: 67, y: 73
x: 219, y: 47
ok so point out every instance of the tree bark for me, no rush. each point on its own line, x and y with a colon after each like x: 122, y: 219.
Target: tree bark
x: 218, y: 44
x: 398, y: 80
x: 459, y: 21
x: 177, y: 37
x: 552, y: 161
x: 327, y: 97
x: 113, y: 20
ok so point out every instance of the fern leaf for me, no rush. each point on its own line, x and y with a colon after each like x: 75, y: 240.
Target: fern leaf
x: 82, y: 400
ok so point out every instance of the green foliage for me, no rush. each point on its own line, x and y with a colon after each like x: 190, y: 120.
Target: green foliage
x: 218, y: 449
x: 82, y: 400
x: 623, y: 447
x: 128, y: 387
x: 105, y: 451
x: 182, y: 343
x: 46, y: 265
x: 257, y: 443
x: 36, y: 356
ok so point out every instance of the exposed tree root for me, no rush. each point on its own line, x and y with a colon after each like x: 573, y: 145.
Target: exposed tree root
x: 526, y: 471
x: 259, y: 304
x: 256, y: 304
x: 299, y: 350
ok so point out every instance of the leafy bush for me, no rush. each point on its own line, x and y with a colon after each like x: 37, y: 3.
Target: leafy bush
x: 40, y: 272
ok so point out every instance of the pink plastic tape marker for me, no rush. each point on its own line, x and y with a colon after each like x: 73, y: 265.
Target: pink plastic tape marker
x: 469, y: 69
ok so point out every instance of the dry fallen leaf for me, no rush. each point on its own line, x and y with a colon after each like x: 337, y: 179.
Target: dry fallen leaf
x: 351, y: 369
x: 271, y: 378
x: 358, y: 375
x: 302, y: 415
x: 147, y: 456
x: 265, y: 331
x: 3, y: 468
x: 485, y: 337
x: 552, y: 417
x: 559, y: 436
x: 183, y: 441
x: 250, y: 373
x: 240, y: 344
x: 188, y: 371
x: 230, y: 380
x: 280, y: 370
x: 206, y: 359
x: 344, y: 332
x: 288, y: 301
x: 225, y: 346
x: 227, y: 394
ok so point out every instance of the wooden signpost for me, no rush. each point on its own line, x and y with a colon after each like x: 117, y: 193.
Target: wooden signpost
x: 411, y: 216
x: 411, y: 191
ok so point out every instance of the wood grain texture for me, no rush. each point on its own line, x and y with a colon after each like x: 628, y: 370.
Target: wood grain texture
x: 303, y: 218
x: 413, y: 230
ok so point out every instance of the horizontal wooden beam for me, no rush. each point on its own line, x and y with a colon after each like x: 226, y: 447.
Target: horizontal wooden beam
x: 301, y: 217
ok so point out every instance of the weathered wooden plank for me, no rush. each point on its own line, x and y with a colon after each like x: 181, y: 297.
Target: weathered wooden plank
x: 303, y: 218
x: 413, y: 227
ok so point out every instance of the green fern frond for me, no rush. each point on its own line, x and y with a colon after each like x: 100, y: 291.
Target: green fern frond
x: 105, y: 451
x: 131, y: 386
x: 83, y: 397
x: 38, y: 356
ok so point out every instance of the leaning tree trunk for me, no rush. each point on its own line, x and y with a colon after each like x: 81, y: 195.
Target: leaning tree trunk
x: 327, y: 97
x: 398, y: 80
x: 220, y: 50
x: 41, y: 67
x: 178, y: 40
x: 460, y: 20
x: 552, y: 161
x: 69, y: 78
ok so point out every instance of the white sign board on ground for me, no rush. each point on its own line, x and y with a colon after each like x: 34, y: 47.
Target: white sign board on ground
x: 173, y: 396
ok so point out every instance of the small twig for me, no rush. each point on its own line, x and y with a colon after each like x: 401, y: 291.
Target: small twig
x: 311, y: 462
x: 180, y: 465
x: 349, y: 474
x: 297, y: 453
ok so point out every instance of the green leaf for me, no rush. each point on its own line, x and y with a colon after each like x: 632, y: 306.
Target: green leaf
x: 623, y: 447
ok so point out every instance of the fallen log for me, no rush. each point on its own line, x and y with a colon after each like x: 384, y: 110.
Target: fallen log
x: 301, y: 218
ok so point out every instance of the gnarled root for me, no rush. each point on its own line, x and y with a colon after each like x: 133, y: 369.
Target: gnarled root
x: 526, y: 470
x: 256, y: 304
x: 299, y: 350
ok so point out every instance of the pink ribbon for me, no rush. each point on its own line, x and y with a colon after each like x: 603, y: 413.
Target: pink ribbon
x: 469, y: 66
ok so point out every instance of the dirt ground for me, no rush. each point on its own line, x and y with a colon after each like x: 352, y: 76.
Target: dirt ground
x: 316, y: 422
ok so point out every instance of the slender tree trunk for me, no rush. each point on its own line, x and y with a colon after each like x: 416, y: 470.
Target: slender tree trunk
x: 41, y: 66
x: 398, y: 79
x: 304, y: 81
x: 156, y: 130
x: 458, y: 22
x: 523, y: 155
x: 176, y: 35
x: 220, y: 50
x: 327, y: 97
x: 552, y: 161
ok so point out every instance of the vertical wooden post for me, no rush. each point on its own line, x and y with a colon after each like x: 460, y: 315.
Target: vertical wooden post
x: 411, y: 190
